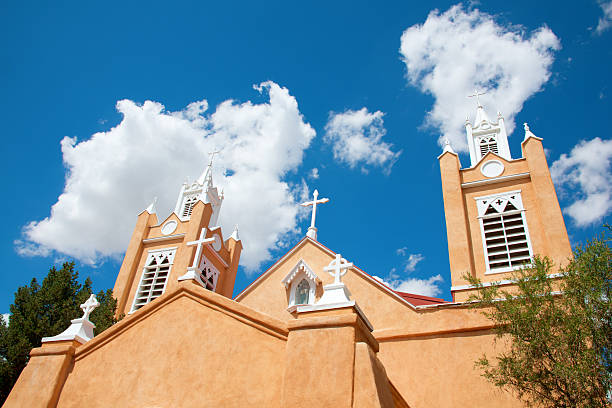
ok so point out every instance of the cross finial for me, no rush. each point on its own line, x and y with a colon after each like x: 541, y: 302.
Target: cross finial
x: 199, y: 243
x: 90, y: 304
x: 338, y: 268
x: 477, y: 94
x: 212, y: 156
x: 312, y: 230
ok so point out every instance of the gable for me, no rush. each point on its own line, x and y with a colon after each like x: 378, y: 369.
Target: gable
x: 383, y: 307
x: 187, y: 340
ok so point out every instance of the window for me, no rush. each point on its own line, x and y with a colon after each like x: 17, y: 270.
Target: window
x: 154, y: 277
x: 189, y: 204
x: 504, y: 230
x: 208, y: 273
x: 302, y: 292
x: 301, y: 285
x: 488, y: 144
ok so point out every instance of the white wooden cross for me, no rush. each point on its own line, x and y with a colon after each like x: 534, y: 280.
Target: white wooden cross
x: 338, y: 268
x: 90, y: 304
x: 312, y: 230
x: 199, y: 244
x: 477, y: 94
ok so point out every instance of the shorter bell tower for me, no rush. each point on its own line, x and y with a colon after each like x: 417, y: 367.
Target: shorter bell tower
x: 500, y: 212
x: 188, y: 244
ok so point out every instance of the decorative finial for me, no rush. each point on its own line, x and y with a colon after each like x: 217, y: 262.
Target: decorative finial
x: 338, y: 268
x: 477, y: 94
x: 312, y: 230
x: 447, y: 146
x: 151, y: 208
x: 90, y: 304
x: 235, y: 235
x: 528, y: 132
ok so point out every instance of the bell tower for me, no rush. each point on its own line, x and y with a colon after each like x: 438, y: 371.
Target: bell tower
x: 187, y: 245
x: 500, y: 211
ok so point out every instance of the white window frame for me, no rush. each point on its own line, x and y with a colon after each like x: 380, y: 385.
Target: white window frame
x: 298, y: 273
x: 483, y: 204
x: 156, y: 253
x: 189, y: 200
x: 207, y: 269
x: 489, y: 143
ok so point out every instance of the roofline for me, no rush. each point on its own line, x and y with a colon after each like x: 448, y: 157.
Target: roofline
x: 332, y: 253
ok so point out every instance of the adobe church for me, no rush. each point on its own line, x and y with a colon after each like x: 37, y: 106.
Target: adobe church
x: 314, y: 330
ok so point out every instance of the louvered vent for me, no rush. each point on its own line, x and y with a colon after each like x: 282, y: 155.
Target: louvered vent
x: 188, y: 207
x: 154, y: 278
x: 505, y: 238
x: 488, y: 144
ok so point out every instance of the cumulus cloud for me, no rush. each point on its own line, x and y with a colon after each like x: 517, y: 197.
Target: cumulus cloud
x: 356, y: 137
x: 425, y: 287
x: 460, y: 50
x: 605, y: 21
x: 585, y: 174
x: 412, y: 262
x: 113, y: 175
x: 314, y: 174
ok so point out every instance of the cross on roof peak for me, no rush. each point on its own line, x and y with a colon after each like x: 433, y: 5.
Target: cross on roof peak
x: 312, y: 230
x: 477, y: 94
x: 90, y: 304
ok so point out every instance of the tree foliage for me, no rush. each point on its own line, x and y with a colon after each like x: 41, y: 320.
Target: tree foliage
x: 46, y: 310
x: 556, y: 331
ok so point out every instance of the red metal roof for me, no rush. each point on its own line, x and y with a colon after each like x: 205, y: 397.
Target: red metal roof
x: 420, y: 300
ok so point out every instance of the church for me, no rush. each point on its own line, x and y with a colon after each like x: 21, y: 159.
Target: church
x: 314, y: 330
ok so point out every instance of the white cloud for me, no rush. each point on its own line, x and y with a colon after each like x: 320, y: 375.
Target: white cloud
x: 425, y: 287
x: 457, y: 51
x: 401, y: 251
x: 412, y: 262
x: 314, y: 174
x: 356, y: 137
x: 114, y: 175
x: 605, y: 21
x: 586, y: 174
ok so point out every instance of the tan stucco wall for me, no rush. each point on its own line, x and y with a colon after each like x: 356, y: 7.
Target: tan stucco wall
x: 438, y: 371
x: 187, y: 353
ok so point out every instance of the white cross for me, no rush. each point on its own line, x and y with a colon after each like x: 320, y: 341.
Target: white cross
x: 212, y: 156
x: 477, y: 94
x: 338, y: 267
x: 312, y: 231
x: 90, y: 304
x: 199, y: 243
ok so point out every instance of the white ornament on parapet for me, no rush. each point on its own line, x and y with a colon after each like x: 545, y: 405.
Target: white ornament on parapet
x: 81, y: 329
x: 312, y: 230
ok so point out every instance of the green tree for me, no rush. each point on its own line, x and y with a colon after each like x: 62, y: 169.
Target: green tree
x: 46, y: 310
x: 556, y: 332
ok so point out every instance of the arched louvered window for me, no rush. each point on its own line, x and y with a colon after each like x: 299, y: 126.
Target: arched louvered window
x: 188, y: 206
x: 505, y: 235
x: 488, y: 144
x: 154, y: 277
x: 302, y: 293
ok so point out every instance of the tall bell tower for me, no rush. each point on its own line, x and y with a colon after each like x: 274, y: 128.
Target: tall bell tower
x: 188, y: 244
x: 500, y: 211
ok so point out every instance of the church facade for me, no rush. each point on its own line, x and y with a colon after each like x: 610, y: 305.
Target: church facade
x: 314, y: 330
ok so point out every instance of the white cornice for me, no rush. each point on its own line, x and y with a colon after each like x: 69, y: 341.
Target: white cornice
x: 500, y: 179
x: 164, y: 238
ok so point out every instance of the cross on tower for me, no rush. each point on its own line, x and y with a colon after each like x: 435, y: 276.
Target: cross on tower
x: 312, y: 230
x: 199, y: 244
x: 90, y: 304
x: 477, y: 94
x: 212, y: 156
x: 338, y: 268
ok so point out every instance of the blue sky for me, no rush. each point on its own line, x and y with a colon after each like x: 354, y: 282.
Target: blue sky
x: 360, y: 91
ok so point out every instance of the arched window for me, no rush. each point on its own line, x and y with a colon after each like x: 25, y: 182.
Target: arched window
x: 302, y: 293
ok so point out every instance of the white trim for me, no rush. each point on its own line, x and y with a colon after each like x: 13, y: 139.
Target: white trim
x: 494, y: 180
x: 150, y: 254
x: 497, y: 195
x: 165, y: 238
x: 301, y: 271
x: 351, y: 303
x: 498, y: 283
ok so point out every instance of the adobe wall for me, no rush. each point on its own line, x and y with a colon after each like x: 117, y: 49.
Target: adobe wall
x: 188, y: 353
x: 438, y: 370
